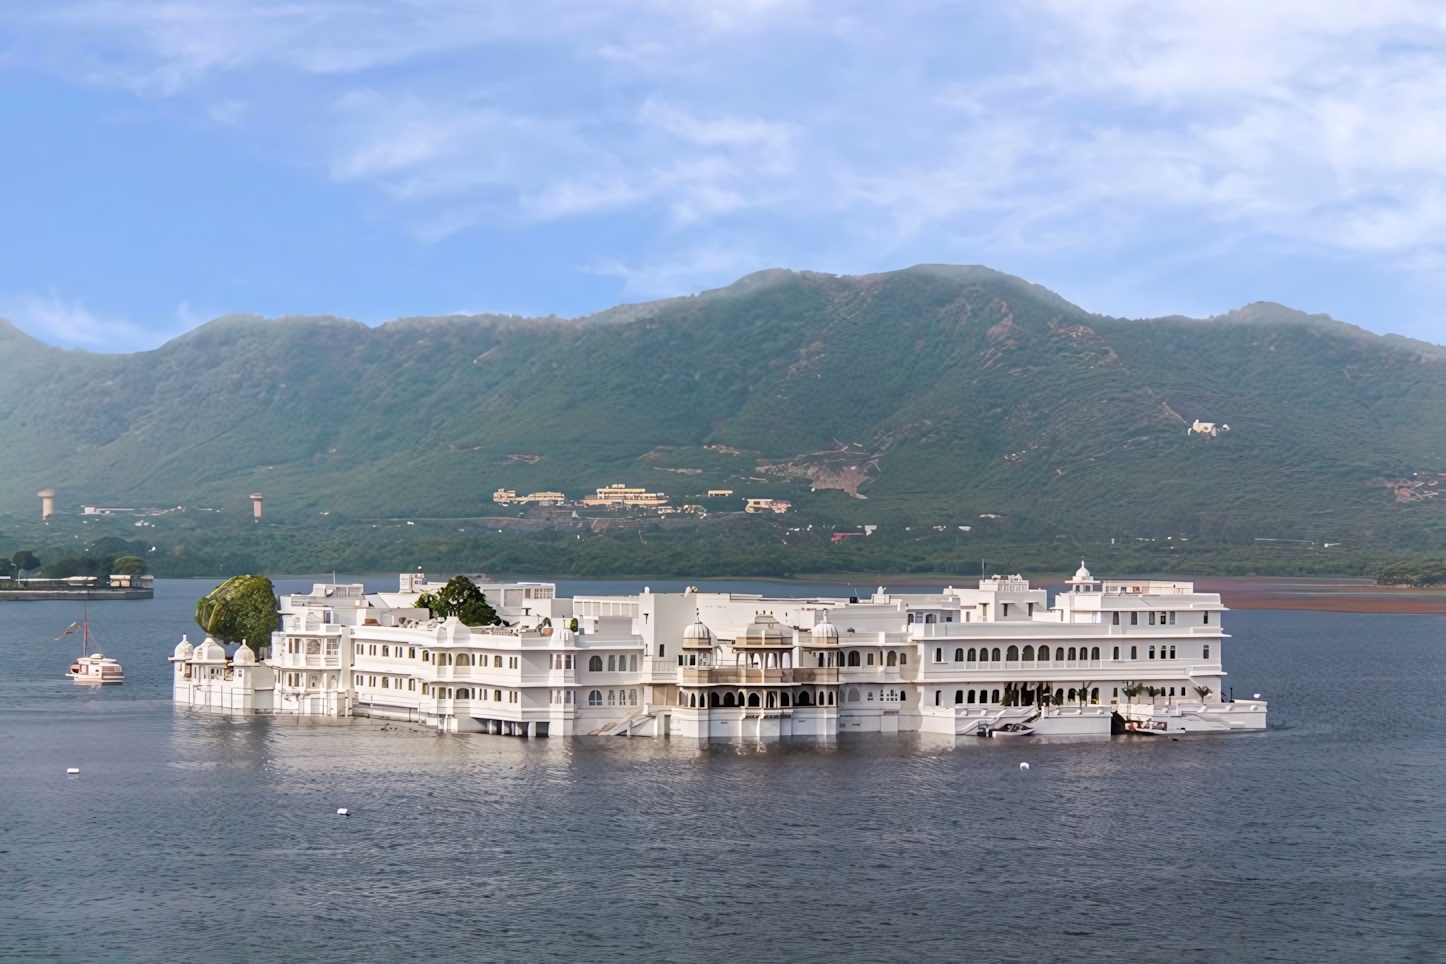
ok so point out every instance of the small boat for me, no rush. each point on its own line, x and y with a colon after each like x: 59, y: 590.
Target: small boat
x: 1146, y: 727
x: 1012, y: 729
x: 96, y: 668
x: 91, y: 668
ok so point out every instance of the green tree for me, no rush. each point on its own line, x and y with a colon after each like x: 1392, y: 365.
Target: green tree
x: 460, y: 597
x: 1203, y: 692
x: 25, y: 560
x: 243, y: 608
x: 129, y: 566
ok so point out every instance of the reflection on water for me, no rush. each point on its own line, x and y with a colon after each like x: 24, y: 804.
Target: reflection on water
x: 196, y: 837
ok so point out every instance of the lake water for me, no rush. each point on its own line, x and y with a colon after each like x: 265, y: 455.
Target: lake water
x: 189, y: 837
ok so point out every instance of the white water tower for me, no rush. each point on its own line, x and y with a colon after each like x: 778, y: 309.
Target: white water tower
x: 256, y: 506
x: 47, y: 503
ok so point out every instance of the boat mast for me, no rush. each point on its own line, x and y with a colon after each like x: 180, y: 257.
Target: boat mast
x: 85, y: 624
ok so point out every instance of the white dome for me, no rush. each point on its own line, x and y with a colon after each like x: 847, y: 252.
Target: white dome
x: 765, y: 631
x: 184, y: 649
x: 697, y: 631
x: 825, y: 629
x: 211, y: 651
x: 244, y: 656
x: 1082, y: 574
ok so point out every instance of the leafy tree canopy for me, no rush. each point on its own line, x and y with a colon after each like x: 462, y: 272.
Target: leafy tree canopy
x: 25, y: 560
x: 243, y: 608
x: 129, y: 566
x: 460, y: 597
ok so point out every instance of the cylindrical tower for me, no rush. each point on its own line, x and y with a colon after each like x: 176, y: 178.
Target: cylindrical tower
x: 256, y: 506
x: 47, y: 503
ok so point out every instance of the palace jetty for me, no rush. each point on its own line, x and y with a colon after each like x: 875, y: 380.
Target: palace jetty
x: 1106, y: 656
x: 89, y: 588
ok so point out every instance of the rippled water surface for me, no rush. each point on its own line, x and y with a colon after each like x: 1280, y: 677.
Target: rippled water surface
x: 189, y: 837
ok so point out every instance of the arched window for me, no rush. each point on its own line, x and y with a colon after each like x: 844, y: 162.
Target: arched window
x: 853, y: 657
x: 1012, y: 654
x: 853, y: 694
x: 830, y: 699
x: 595, y: 697
x: 426, y: 656
x: 958, y: 696
x: 1059, y: 654
x: 996, y: 697
x: 971, y: 696
x: 1070, y: 698
x: 930, y: 617
x: 463, y: 659
x: 893, y: 658
x: 973, y: 656
x: 803, y: 698
x: 1152, y: 652
x: 594, y: 665
x: 727, y: 699
x: 713, y: 699
x: 1059, y: 696
x: 994, y: 656
x: 313, y: 647
x: 958, y: 655
x: 1094, y: 652
x: 1116, y: 619
x: 783, y: 699
x: 612, y: 697
x: 1095, y: 695
x: 752, y: 699
x: 1029, y: 654
x: 1117, y: 652
x: 1070, y: 657
x: 612, y: 663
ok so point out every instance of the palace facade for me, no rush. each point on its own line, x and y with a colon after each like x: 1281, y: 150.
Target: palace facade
x: 1102, y: 655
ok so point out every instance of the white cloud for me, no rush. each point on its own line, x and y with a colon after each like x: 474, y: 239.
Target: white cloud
x: 69, y: 323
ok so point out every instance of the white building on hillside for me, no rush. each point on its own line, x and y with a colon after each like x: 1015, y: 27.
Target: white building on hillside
x: 1134, y: 654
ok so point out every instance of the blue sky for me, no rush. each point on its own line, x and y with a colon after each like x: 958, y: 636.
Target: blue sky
x: 168, y: 162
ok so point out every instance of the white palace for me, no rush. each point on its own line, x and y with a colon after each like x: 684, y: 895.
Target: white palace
x: 1114, y: 654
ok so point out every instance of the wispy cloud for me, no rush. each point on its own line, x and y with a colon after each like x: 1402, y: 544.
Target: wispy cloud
x: 69, y: 323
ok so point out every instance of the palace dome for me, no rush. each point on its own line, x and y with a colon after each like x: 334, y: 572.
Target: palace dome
x: 765, y: 631
x: 1082, y: 574
x: 825, y: 629
x: 184, y: 649
x: 244, y: 656
x: 697, y: 631
x: 210, y: 651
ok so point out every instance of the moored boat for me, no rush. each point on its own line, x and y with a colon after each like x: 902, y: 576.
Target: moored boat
x: 96, y: 668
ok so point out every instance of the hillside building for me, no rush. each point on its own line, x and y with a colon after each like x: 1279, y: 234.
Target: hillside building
x: 621, y: 496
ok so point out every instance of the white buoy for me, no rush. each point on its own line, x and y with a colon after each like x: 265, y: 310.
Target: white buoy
x: 1024, y: 766
x: 1257, y: 696
x: 73, y: 770
x: 343, y: 812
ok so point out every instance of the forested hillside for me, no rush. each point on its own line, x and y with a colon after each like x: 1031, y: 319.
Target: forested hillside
x: 930, y: 396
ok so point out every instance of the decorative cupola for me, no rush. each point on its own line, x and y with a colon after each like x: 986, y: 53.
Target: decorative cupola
x: 244, y: 656
x: 765, y: 631
x: 824, y: 633
x: 183, y: 651
x: 697, y: 636
x: 1083, y: 581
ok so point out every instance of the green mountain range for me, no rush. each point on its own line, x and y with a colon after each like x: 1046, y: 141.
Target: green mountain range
x: 934, y: 396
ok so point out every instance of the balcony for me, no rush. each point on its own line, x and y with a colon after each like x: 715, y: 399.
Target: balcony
x: 737, y: 676
x: 827, y: 675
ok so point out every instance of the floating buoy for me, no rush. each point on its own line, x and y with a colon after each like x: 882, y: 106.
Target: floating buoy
x: 1024, y: 766
x: 343, y: 812
x: 1257, y: 696
x: 73, y: 770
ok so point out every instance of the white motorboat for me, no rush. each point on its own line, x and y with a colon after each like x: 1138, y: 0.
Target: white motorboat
x: 1012, y: 729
